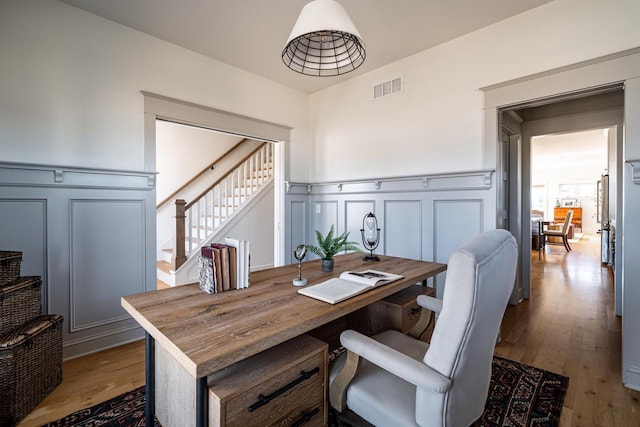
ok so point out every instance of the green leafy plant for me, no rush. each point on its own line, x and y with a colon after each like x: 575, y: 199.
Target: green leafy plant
x: 329, y: 245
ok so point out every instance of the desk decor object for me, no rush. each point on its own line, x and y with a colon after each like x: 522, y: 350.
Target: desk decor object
x: 299, y: 254
x: 329, y: 246
x: 370, y: 235
x: 349, y: 284
x: 223, y: 267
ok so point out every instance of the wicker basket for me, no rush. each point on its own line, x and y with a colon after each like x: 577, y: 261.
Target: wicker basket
x: 30, y: 366
x: 20, y: 301
x: 9, y: 266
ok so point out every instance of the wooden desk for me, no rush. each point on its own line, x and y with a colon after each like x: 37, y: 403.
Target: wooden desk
x: 206, y: 333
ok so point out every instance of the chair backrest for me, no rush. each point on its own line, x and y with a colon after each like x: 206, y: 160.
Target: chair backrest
x: 567, y: 222
x: 535, y: 212
x: 480, y: 278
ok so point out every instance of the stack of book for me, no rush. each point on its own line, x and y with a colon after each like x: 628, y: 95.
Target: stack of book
x: 224, y: 266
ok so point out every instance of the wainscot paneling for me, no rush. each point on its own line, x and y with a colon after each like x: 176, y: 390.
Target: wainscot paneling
x: 325, y: 215
x: 90, y: 234
x: 455, y: 221
x: 354, y: 212
x: 23, y: 227
x: 403, y: 228
x: 422, y: 217
x: 96, y: 287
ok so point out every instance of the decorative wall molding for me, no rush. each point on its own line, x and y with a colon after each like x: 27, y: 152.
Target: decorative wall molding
x: 635, y: 170
x: 110, y: 333
x: 95, y: 285
x: 90, y: 234
x: 421, y: 217
x: 39, y: 175
x: 25, y: 230
x: 456, y: 181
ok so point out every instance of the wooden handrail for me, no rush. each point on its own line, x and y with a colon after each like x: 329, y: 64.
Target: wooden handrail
x: 222, y: 178
x: 199, y: 174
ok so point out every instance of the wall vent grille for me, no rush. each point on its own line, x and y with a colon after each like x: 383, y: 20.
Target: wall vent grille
x: 389, y: 87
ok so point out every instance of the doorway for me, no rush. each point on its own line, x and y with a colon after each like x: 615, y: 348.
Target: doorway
x: 159, y: 107
x: 601, y: 108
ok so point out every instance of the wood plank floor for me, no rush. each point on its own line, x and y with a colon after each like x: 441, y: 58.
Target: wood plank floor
x: 567, y: 327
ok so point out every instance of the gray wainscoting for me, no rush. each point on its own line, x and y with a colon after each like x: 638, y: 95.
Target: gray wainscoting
x: 421, y: 217
x: 90, y: 234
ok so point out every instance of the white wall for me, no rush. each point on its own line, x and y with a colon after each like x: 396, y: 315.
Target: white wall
x: 182, y: 152
x: 436, y: 125
x: 70, y: 90
x: 71, y: 85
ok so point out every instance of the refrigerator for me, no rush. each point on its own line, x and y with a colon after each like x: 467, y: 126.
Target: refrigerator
x: 602, y: 212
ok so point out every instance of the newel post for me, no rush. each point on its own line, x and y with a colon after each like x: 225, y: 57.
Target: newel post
x: 179, y: 256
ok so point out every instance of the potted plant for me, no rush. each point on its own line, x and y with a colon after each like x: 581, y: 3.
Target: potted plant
x: 329, y: 246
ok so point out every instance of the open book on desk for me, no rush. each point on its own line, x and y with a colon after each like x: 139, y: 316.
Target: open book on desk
x: 349, y: 284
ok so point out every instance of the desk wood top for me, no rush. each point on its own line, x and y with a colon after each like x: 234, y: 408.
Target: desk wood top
x: 208, y: 332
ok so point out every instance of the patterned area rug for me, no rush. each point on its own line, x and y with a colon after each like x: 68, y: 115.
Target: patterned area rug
x: 124, y: 410
x: 519, y: 395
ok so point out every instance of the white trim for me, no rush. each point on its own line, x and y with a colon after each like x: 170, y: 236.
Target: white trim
x: 635, y: 170
x: 41, y: 175
x: 174, y: 110
x: 471, y: 180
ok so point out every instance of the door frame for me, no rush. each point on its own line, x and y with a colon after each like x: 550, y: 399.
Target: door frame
x: 174, y: 110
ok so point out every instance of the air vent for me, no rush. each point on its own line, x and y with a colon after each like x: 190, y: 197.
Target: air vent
x: 387, y: 88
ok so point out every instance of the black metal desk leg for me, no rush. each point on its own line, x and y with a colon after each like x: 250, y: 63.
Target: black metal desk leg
x: 149, y: 372
x: 202, y: 402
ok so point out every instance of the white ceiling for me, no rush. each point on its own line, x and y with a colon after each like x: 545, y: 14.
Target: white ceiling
x: 587, y: 149
x: 250, y: 34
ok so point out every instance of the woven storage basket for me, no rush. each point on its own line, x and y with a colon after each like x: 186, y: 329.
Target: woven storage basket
x: 20, y: 301
x: 30, y: 366
x: 9, y: 266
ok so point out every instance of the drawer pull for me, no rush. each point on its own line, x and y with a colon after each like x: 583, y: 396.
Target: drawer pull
x: 416, y: 310
x: 305, y: 416
x: 263, y: 400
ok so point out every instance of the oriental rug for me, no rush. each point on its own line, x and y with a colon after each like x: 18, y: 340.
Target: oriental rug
x: 519, y: 396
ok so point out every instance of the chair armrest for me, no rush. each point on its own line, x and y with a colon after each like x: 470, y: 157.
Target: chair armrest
x: 430, y: 303
x: 397, y: 363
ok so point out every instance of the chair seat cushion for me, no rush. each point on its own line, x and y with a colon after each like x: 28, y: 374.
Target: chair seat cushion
x: 368, y: 394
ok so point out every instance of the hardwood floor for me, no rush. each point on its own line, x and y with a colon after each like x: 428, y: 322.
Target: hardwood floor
x: 567, y: 327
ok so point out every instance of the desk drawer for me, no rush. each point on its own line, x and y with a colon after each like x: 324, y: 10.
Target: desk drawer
x: 399, y: 311
x: 281, y: 386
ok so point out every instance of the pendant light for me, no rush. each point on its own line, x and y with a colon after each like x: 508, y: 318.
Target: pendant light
x: 324, y: 42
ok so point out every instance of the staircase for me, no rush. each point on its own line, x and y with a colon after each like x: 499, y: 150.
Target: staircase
x: 200, y: 221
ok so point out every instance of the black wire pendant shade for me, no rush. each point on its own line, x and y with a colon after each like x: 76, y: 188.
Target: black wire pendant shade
x: 324, y: 41
x: 324, y: 53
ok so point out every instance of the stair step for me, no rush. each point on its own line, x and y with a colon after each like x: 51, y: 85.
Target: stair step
x: 164, y: 266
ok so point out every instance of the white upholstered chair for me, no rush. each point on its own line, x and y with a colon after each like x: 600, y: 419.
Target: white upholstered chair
x: 563, y: 233
x: 392, y: 379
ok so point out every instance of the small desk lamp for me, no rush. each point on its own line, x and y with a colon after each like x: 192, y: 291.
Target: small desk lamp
x: 370, y: 235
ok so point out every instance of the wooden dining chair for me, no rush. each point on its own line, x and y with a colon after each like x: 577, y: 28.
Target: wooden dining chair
x: 562, y: 233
